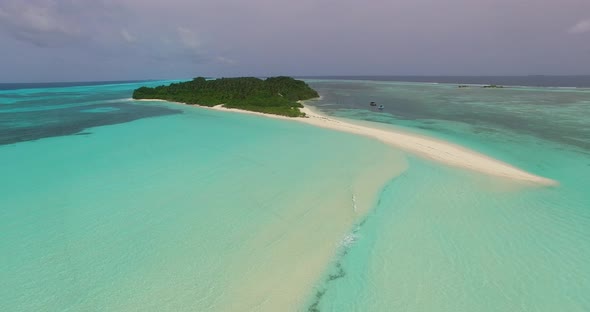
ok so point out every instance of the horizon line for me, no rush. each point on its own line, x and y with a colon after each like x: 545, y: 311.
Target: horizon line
x: 295, y: 76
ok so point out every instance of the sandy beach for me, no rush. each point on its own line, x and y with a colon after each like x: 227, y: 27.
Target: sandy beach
x: 430, y: 148
x: 438, y: 150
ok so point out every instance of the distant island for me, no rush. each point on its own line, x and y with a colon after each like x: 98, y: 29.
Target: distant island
x: 484, y: 86
x: 275, y: 95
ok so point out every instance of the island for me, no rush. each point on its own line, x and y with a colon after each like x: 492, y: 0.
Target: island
x: 493, y: 86
x: 274, y: 95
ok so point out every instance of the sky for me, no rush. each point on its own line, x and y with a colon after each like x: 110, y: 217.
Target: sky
x: 90, y: 40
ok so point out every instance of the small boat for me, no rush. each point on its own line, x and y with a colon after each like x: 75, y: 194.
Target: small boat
x: 373, y: 104
x: 381, y: 107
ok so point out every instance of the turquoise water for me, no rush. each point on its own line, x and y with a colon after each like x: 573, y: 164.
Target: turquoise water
x: 444, y: 240
x: 114, y: 205
x: 165, y: 207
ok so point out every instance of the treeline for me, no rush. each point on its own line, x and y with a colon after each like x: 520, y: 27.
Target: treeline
x: 275, y: 95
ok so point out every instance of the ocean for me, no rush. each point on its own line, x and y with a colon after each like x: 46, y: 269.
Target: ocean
x: 440, y: 241
x: 115, y: 205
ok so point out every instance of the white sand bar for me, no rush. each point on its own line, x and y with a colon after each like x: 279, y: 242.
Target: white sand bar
x: 430, y: 148
x: 434, y: 149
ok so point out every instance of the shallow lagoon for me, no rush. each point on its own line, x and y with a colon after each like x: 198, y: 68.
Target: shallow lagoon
x: 117, y: 205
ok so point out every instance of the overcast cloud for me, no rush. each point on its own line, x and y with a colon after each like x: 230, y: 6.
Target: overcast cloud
x: 70, y: 40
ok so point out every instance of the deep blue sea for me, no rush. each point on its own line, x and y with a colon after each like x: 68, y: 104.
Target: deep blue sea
x: 40, y: 85
x: 582, y: 81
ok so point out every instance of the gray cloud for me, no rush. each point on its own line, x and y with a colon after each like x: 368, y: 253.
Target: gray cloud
x: 225, y: 61
x: 188, y: 38
x: 134, y: 39
x: 192, y: 45
x: 127, y: 36
x: 582, y: 26
x: 40, y: 23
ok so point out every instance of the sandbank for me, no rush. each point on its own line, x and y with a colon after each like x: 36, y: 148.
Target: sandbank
x: 438, y: 150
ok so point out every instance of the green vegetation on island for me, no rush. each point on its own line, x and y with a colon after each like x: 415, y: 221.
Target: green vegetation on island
x: 275, y: 95
x: 493, y: 86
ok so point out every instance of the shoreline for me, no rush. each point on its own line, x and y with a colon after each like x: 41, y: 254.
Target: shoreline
x: 430, y: 148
